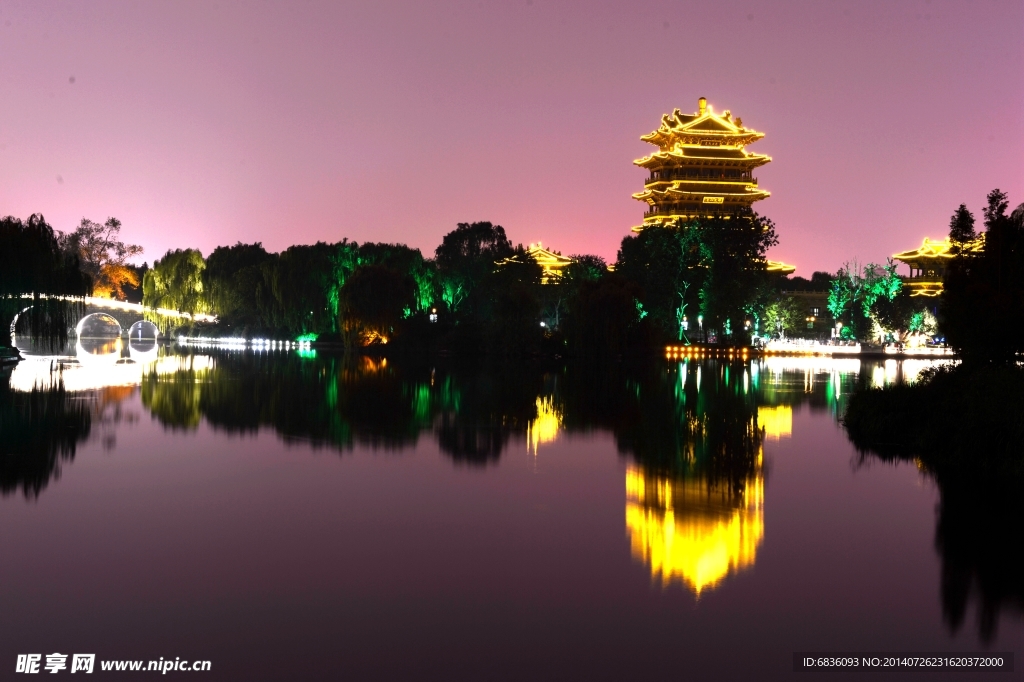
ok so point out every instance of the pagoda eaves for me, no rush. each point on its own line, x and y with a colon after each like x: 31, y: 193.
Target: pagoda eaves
x: 928, y: 264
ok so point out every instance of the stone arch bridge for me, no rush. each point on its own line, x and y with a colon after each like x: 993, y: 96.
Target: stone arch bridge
x: 125, y: 313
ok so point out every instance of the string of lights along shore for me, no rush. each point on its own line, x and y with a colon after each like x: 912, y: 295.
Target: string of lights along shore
x: 701, y: 168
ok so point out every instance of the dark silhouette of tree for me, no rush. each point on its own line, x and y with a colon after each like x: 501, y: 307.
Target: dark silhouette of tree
x: 465, y: 257
x: 603, y: 321
x: 737, y: 285
x: 819, y: 281
x: 982, y: 307
x: 33, y: 262
x: 664, y: 263
x: 407, y: 261
x: 302, y: 285
x: 373, y: 301
x: 41, y: 430
x: 961, y: 228
x: 233, y: 283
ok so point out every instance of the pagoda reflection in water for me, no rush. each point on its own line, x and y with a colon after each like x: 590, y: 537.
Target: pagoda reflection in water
x: 692, y: 531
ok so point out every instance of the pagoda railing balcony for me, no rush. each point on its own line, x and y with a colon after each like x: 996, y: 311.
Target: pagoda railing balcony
x: 702, y: 210
x: 699, y: 178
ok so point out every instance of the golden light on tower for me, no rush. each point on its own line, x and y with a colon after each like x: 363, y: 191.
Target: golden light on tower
x: 701, y: 168
x: 687, y: 531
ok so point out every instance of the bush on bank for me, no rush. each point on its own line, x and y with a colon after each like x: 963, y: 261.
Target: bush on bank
x: 967, y: 421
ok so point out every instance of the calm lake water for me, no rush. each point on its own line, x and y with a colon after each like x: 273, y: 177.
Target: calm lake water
x: 291, y: 515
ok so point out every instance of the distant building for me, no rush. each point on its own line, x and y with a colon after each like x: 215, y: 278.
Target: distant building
x: 775, y: 267
x: 551, y: 262
x: 928, y: 265
x: 701, y: 168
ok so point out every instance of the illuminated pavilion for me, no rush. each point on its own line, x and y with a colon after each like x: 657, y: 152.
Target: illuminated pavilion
x: 701, y: 168
x: 928, y: 264
x: 551, y: 262
x: 689, y: 531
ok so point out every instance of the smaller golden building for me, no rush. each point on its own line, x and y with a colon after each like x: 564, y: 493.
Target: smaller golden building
x: 552, y: 263
x: 928, y: 264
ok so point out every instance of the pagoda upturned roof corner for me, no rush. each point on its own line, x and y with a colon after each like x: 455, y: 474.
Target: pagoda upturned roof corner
x: 704, y: 125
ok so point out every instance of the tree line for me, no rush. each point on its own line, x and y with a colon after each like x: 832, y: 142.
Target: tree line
x: 698, y: 281
x: 481, y: 293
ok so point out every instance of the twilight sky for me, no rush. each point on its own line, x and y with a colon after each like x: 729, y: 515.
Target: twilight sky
x: 204, y: 123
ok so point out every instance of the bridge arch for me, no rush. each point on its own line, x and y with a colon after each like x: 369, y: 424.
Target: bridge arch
x: 143, y: 330
x: 14, y: 322
x: 98, y: 325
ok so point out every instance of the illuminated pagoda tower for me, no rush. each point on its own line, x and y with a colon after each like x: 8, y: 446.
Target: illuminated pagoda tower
x: 701, y: 168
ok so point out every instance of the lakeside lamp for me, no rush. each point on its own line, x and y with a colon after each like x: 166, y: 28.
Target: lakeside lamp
x: 686, y: 324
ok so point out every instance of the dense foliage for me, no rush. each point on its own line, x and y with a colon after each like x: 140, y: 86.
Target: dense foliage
x: 33, y: 263
x: 982, y: 311
x: 712, y: 270
x: 104, y: 257
x: 704, y: 280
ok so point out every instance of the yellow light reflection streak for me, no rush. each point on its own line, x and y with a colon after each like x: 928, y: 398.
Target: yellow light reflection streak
x: 545, y: 427
x: 777, y: 422
x: 689, y: 532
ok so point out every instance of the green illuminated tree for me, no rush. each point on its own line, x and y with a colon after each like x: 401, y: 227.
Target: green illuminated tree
x: 855, y: 295
x: 782, y: 315
x: 176, y: 282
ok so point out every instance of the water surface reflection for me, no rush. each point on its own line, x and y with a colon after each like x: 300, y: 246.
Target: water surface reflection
x: 692, y: 530
x: 691, y: 438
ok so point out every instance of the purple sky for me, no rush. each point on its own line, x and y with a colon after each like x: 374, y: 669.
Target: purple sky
x: 200, y: 124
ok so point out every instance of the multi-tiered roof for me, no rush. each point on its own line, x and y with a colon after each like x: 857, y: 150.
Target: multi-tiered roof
x: 928, y: 264
x: 701, y: 167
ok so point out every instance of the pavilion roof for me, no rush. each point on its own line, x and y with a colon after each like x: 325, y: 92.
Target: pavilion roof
x: 934, y: 249
x: 704, y: 126
x: 779, y: 268
x: 546, y: 258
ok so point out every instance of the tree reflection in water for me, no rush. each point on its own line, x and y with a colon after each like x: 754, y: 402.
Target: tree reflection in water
x: 41, y: 429
x: 695, y: 493
x: 692, y: 431
x: 979, y: 536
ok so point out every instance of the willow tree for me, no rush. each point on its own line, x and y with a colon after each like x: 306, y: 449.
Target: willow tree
x: 39, y: 281
x: 176, y: 282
